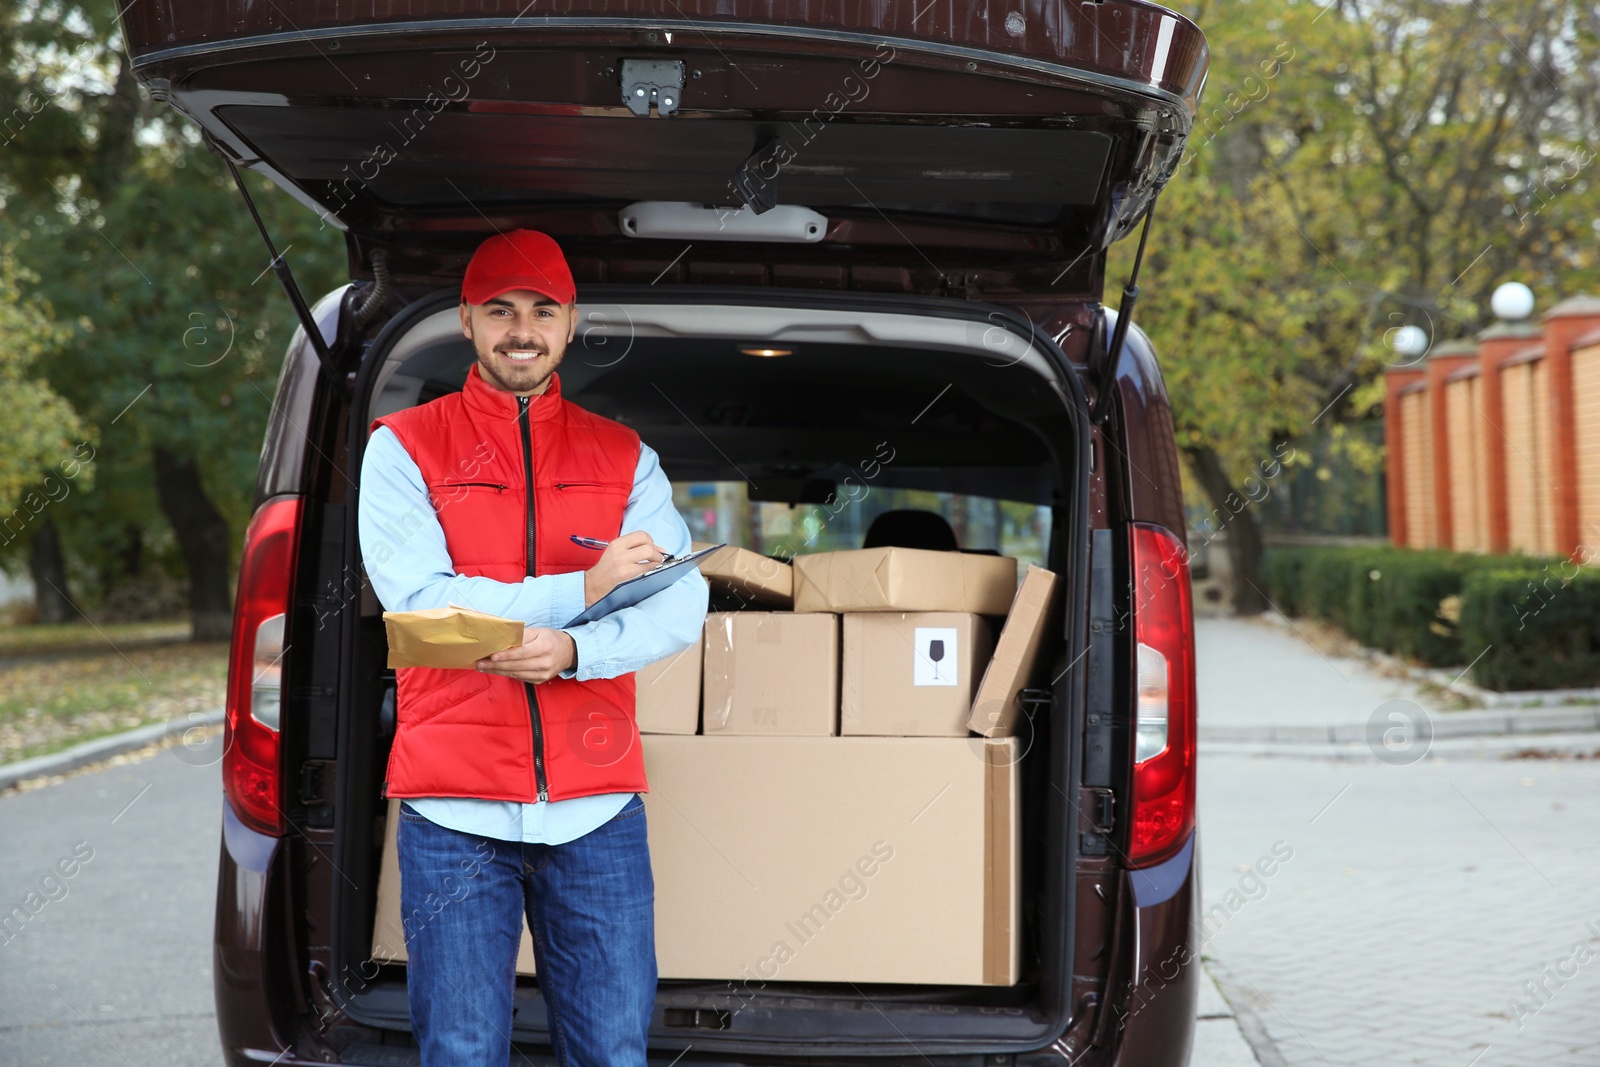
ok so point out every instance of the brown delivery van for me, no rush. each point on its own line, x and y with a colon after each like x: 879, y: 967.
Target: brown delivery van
x: 830, y: 257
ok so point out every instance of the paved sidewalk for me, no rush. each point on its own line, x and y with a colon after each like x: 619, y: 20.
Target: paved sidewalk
x: 1218, y: 1041
x: 1437, y: 907
x: 1293, y: 692
x: 1289, y: 683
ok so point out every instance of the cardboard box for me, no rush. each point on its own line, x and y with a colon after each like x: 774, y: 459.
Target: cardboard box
x: 749, y: 575
x: 845, y: 859
x: 388, y: 934
x: 668, y: 692
x: 911, y: 674
x: 1032, y: 626
x: 771, y: 672
x: 904, y: 579
x: 815, y: 859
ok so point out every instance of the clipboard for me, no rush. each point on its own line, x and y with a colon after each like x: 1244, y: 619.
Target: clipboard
x: 647, y: 584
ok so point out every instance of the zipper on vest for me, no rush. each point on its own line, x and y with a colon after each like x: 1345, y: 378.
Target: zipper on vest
x: 533, y: 699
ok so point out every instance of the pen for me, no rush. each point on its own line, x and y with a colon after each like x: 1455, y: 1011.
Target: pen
x: 596, y: 543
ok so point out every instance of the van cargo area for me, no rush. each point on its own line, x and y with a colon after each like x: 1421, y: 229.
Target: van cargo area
x: 871, y: 397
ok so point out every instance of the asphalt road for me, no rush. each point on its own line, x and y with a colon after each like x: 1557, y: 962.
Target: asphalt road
x: 115, y: 871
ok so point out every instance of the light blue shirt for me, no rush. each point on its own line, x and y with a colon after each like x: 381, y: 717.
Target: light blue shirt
x: 416, y: 573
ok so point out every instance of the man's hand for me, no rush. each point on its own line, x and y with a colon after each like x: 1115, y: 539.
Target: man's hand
x: 625, y: 557
x: 542, y: 655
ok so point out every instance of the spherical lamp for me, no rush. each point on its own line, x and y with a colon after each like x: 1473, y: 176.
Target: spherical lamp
x: 1512, y: 301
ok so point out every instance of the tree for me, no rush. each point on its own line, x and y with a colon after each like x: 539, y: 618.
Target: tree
x: 1356, y: 167
x: 42, y: 452
x: 138, y: 238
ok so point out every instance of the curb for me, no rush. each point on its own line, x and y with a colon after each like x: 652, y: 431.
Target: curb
x: 1247, y: 1005
x: 101, y: 748
x: 1491, y: 698
x: 1484, y: 746
x: 1476, y: 723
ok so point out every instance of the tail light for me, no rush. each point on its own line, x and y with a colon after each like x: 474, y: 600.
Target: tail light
x: 251, y: 776
x: 1164, y: 733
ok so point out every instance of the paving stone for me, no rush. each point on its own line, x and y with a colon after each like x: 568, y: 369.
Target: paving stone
x: 1217, y: 1043
x: 1418, y: 899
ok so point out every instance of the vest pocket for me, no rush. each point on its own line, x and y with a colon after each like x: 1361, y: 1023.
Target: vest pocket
x: 568, y: 487
x: 445, y: 695
x: 440, y: 493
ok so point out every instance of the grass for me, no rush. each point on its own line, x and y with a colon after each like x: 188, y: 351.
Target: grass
x: 60, y: 685
x: 83, y: 636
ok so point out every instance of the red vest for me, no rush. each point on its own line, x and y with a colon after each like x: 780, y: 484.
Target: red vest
x: 463, y: 733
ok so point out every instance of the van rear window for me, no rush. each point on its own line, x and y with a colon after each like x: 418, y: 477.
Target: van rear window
x: 723, y: 511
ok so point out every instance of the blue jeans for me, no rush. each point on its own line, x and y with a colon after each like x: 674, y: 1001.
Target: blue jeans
x: 590, y: 905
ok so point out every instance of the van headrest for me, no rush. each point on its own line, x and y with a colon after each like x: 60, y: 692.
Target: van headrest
x: 910, y: 528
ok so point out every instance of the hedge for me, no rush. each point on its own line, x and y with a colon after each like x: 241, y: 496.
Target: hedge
x: 1539, y: 619
x: 1541, y: 627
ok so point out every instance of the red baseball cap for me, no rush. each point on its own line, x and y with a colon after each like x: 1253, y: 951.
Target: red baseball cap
x: 519, y: 259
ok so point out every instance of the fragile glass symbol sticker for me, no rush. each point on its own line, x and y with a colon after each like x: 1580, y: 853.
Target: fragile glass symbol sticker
x: 934, y: 661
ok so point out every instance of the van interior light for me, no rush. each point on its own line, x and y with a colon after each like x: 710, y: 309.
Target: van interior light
x: 768, y: 353
x: 678, y: 221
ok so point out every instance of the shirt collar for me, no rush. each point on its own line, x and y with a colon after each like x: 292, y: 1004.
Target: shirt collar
x: 497, y: 403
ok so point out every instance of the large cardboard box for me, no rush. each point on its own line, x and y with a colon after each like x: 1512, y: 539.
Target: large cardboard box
x: 1033, y: 625
x: 904, y: 579
x: 848, y: 859
x: 748, y: 575
x: 771, y: 672
x: 911, y: 674
x: 668, y: 692
x: 816, y: 859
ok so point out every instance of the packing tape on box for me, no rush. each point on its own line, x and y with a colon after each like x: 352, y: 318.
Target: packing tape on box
x: 716, y: 718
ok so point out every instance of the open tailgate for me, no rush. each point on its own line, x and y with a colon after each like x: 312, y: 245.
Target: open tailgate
x: 942, y: 142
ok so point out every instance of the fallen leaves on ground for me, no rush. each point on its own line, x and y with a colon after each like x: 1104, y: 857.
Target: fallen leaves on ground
x: 48, y: 702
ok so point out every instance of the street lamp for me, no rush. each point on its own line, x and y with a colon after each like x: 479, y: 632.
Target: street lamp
x: 1409, y: 342
x: 1512, y: 301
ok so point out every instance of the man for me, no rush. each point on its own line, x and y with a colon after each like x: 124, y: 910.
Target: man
x: 520, y: 779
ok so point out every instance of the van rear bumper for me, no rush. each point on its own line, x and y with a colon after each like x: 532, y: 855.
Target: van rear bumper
x: 247, y: 921
x: 1154, y: 1018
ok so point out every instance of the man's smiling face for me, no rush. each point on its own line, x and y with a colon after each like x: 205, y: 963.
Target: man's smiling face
x: 520, y: 337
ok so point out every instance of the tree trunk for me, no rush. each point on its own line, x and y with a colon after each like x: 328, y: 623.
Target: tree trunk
x: 202, y: 535
x: 49, y: 569
x: 1232, y: 511
x: 130, y: 557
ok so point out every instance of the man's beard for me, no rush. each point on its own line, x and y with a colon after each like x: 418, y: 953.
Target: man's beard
x: 513, y: 377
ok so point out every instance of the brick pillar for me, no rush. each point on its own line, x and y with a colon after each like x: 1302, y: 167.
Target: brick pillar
x: 1563, y: 324
x: 1445, y: 359
x: 1495, y: 344
x: 1393, y: 456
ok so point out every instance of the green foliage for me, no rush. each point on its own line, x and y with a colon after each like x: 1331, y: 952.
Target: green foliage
x: 166, y: 330
x: 1541, y: 626
x: 1415, y: 615
x: 1282, y: 575
x: 42, y: 428
x: 1400, y: 600
x: 177, y: 335
x: 1356, y: 167
x: 1536, y: 622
